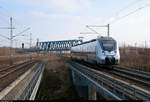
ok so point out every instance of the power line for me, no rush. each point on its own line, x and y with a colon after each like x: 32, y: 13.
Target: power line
x: 12, y: 37
x: 4, y: 15
x: 132, y: 12
x: 128, y: 6
x: 92, y: 30
x: 4, y: 20
x: 6, y: 11
x: 9, y: 14
x: 123, y: 9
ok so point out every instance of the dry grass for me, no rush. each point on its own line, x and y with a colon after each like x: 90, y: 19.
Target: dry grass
x: 135, y: 57
x: 56, y: 84
x: 6, y: 51
x: 5, y: 60
x: 17, y: 57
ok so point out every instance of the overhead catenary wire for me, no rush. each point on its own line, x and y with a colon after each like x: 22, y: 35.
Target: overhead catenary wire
x: 118, y: 12
x: 6, y: 12
x: 3, y: 21
x: 4, y: 18
x: 4, y: 15
x: 9, y: 14
x: 130, y: 13
x: 128, y: 6
x: 123, y: 9
x: 92, y: 29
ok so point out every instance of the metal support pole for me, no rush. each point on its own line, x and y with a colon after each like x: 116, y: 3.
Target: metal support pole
x: 11, y: 41
x: 30, y: 40
x: 11, y: 38
x: 108, y: 29
x: 91, y: 92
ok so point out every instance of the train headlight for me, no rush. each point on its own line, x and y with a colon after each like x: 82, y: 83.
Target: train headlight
x: 103, y: 52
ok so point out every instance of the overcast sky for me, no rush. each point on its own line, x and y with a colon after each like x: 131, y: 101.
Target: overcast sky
x: 65, y: 19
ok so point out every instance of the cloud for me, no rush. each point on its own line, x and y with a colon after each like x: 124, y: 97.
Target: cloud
x: 64, y: 6
x: 132, y: 29
x: 74, y: 5
x: 65, y: 19
x: 48, y: 26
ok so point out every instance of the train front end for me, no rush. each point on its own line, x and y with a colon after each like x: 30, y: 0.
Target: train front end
x: 108, y: 51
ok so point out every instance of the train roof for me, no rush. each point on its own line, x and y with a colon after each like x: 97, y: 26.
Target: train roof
x: 86, y: 42
x: 99, y: 39
x: 105, y: 38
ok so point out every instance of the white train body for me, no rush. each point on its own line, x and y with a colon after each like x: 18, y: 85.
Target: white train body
x: 103, y: 50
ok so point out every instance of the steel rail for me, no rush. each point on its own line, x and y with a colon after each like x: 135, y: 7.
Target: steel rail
x: 108, y: 81
x: 137, y: 76
x: 128, y: 89
x: 96, y: 83
x: 18, y: 67
x: 10, y: 67
x: 141, y: 74
x: 3, y: 66
x: 130, y: 77
x: 31, y: 84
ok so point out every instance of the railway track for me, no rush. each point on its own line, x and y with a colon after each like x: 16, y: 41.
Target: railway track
x: 9, y: 74
x: 135, y: 77
x: 134, y: 72
x: 3, y: 66
x: 6, y: 68
x: 138, y: 79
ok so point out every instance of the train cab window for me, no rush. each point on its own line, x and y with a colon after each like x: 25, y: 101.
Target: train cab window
x: 108, y: 45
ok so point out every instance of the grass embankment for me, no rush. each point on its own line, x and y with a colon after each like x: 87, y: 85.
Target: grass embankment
x: 55, y: 83
x: 135, y: 57
x: 17, y: 57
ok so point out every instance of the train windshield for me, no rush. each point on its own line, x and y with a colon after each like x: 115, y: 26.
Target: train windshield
x: 108, y: 45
